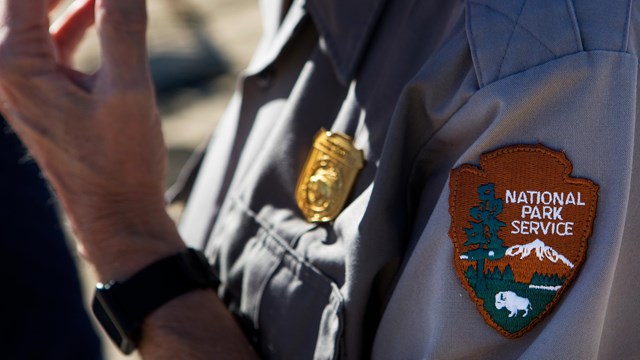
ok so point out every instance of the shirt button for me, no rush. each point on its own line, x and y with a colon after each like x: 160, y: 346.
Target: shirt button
x: 265, y: 78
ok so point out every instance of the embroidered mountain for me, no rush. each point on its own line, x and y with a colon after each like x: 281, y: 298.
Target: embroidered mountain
x: 542, y: 251
x: 519, y: 227
x: 514, y: 284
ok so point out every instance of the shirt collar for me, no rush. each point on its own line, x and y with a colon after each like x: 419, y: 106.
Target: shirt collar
x: 345, y: 28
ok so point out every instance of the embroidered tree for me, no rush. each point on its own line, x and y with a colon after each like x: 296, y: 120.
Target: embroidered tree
x: 471, y: 276
x: 547, y: 280
x: 508, y: 274
x: 484, y: 232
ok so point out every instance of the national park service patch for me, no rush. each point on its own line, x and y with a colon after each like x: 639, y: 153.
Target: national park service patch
x: 519, y: 226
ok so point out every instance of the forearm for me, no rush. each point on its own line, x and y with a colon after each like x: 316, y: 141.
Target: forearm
x: 98, y: 140
x: 195, y: 325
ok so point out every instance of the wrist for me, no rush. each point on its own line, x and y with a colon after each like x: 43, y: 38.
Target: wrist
x: 120, y: 262
x: 122, y: 306
x: 121, y: 239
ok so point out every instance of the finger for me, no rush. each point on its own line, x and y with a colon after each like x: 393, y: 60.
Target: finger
x: 121, y: 28
x: 26, y: 48
x: 24, y: 14
x: 53, y: 4
x: 69, y: 29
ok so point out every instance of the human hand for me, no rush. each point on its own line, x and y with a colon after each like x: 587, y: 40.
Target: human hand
x: 97, y: 137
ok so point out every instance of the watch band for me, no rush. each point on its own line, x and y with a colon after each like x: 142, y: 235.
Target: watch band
x: 121, y: 307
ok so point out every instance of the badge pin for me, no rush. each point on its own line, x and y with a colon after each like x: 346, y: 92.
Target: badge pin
x: 519, y: 226
x: 328, y: 176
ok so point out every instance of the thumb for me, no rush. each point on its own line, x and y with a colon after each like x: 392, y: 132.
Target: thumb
x: 122, y: 26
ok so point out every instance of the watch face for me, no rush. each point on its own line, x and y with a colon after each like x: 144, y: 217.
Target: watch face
x: 113, y: 321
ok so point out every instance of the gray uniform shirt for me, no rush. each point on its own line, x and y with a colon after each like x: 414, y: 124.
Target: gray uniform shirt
x: 422, y: 87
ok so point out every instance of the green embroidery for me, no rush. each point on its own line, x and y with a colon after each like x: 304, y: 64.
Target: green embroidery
x: 519, y: 232
x: 484, y: 233
x: 522, y: 301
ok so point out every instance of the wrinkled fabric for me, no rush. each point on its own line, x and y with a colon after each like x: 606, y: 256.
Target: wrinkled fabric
x: 422, y: 87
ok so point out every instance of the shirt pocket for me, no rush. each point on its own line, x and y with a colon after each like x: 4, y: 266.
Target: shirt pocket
x: 287, y: 307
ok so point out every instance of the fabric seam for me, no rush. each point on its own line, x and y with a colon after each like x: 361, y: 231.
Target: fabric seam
x: 279, y: 241
x: 625, y: 38
x: 422, y: 147
x: 576, y: 26
x: 513, y: 31
x: 522, y: 27
x: 473, y: 47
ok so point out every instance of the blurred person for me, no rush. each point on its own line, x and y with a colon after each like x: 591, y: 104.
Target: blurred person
x: 393, y: 179
x: 43, y: 315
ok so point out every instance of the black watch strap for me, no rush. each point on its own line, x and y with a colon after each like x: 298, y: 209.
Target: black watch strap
x: 121, y: 307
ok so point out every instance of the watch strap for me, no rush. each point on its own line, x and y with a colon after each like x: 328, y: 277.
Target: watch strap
x: 121, y: 307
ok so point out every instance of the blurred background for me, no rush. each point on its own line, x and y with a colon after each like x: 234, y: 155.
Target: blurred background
x: 196, y: 49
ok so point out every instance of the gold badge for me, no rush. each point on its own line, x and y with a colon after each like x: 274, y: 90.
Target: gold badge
x: 328, y: 176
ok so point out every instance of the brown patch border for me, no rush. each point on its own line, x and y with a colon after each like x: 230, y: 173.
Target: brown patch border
x: 558, y: 156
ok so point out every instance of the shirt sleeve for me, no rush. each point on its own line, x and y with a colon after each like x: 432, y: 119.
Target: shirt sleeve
x: 557, y: 75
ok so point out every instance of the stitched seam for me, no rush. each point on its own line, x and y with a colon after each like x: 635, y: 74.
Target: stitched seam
x: 576, y: 27
x: 474, y: 48
x: 425, y: 143
x: 568, y: 55
x: 513, y: 31
x: 625, y: 38
x: 520, y: 26
x: 278, y: 240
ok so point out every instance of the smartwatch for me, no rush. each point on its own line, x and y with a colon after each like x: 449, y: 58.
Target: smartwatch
x: 121, y: 307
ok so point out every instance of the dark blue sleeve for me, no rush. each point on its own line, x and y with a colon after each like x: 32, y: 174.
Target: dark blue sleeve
x: 43, y: 316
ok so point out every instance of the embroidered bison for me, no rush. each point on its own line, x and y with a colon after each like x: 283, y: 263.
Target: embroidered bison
x: 513, y: 303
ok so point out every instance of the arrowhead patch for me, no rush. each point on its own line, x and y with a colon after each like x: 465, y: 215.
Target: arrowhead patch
x: 519, y: 226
